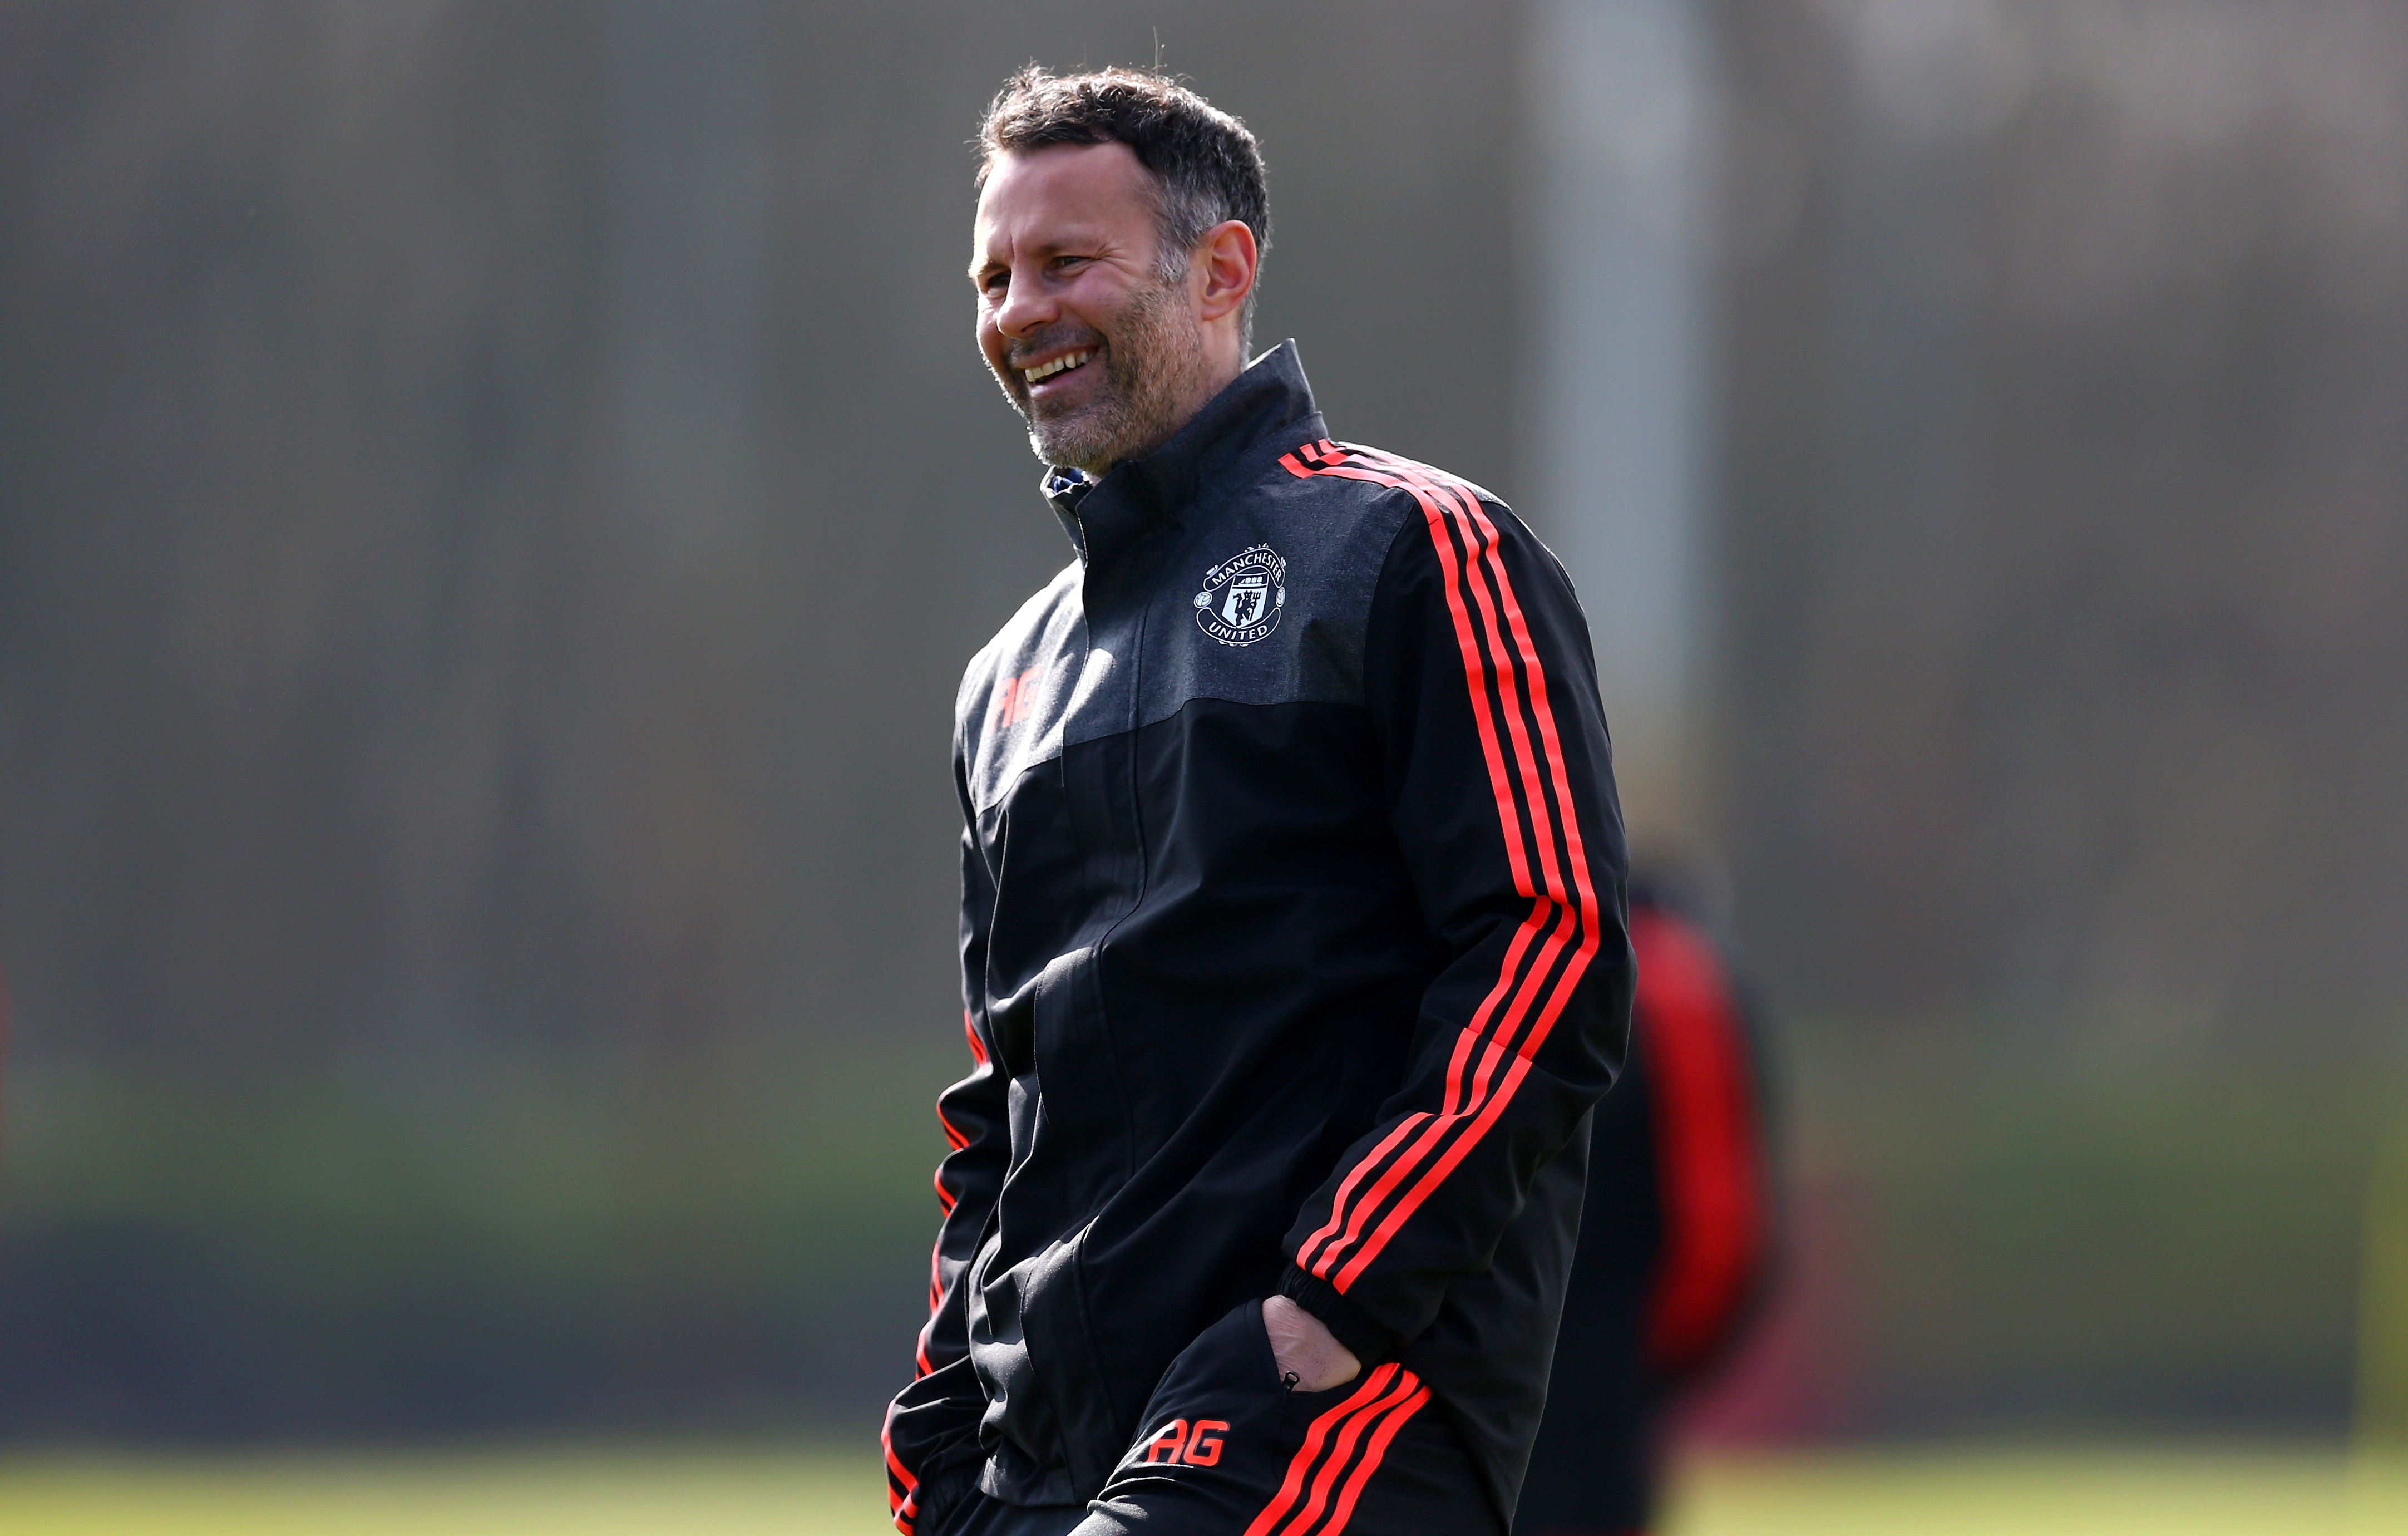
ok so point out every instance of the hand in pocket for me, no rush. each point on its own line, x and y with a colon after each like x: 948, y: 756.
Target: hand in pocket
x: 1303, y: 1347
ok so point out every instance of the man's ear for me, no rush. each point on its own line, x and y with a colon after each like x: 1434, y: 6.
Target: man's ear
x: 1225, y: 259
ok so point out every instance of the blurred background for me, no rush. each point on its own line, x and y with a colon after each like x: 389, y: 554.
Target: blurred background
x: 495, y: 499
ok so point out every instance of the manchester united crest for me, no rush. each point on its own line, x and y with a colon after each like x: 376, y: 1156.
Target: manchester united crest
x: 1242, y: 597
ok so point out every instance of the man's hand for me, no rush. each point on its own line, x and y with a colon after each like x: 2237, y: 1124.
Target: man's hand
x: 1305, y: 1348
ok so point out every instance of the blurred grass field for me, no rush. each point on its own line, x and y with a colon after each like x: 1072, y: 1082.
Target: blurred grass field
x: 1997, y: 1492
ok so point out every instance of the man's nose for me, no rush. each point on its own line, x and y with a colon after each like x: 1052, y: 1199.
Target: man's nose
x: 1025, y: 307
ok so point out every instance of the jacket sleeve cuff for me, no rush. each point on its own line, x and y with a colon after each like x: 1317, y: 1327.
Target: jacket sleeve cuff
x: 941, y: 1491
x: 1350, y: 1325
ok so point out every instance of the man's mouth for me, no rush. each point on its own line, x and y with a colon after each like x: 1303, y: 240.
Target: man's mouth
x: 1061, y: 364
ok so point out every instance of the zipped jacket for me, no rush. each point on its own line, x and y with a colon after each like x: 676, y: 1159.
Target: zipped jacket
x: 1293, y: 951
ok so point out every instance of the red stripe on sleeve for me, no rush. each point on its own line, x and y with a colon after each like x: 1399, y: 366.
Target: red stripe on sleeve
x: 1347, y: 1220
x: 902, y: 1489
x: 1473, y: 1102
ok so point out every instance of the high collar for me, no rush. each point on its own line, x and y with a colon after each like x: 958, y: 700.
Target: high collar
x: 1270, y: 401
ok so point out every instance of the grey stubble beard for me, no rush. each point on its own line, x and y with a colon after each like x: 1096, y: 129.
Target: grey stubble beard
x: 1151, y: 369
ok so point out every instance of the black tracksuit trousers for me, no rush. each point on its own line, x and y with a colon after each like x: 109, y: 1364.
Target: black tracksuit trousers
x: 1234, y: 1452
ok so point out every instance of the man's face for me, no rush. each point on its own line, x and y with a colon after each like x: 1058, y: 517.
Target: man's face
x: 1100, y: 351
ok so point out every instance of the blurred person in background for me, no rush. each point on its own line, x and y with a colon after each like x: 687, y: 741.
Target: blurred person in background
x: 1293, y: 942
x: 1676, y: 1240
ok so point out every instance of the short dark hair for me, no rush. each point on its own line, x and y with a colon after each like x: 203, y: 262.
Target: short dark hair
x: 1207, y: 164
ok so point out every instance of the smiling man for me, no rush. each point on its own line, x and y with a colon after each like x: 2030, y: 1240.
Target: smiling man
x: 1293, y: 944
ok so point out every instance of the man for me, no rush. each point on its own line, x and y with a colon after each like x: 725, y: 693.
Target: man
x: 1675, y: 1239
x: 1292, y: 927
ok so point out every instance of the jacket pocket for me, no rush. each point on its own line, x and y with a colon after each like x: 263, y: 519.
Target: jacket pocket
x: 1071, y: 1373
x: 1215, y: 1435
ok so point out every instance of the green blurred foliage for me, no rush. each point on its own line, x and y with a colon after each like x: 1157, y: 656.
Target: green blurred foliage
x: 304, y: 1257
x: 2021, y: 1247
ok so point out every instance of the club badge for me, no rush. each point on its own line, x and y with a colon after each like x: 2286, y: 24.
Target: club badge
x: 1242, y: 597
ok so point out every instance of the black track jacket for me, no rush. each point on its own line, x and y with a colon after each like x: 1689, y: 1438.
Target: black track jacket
x: 1293, y: 951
